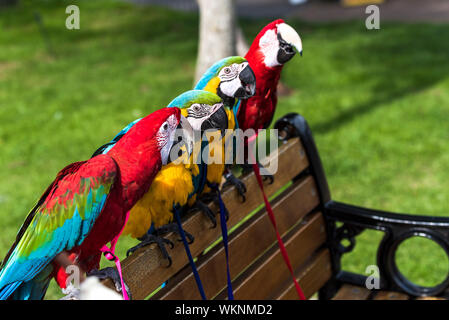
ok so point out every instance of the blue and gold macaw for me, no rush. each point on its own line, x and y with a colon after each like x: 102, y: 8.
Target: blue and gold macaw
x: 232, y: 79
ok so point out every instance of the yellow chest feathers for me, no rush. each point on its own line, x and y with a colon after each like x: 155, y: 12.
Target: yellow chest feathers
x: 215, y: 170
x: 172, y: 185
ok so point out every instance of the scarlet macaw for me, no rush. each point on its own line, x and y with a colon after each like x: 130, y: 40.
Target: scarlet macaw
x: 85, y: 207
x: 271, y: 49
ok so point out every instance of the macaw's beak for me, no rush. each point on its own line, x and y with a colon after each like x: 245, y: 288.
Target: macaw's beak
x: 188, y: 136
x: 248, y: 80
x: 289, y: 41
x: 218, y: 120
x: 182, y: 141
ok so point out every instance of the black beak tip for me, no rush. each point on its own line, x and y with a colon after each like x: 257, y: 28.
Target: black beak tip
x: 248, y: 79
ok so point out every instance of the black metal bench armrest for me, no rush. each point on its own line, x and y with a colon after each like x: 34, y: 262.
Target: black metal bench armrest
x: 382, y: 220
x: 397, y: 228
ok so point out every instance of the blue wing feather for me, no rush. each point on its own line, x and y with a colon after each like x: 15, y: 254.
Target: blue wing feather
x: 50, y: 233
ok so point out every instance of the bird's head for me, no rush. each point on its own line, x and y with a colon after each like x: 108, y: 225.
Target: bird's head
x: 202, y: 109
x: 173, y: 132
x: 229, y: 78
x: 159, y: 132
x: 278, y: 42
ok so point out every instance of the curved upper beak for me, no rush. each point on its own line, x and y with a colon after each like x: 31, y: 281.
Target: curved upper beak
x: 248, y: 80
x: 289, y: 39
x: 183, y: 139
x: 218, y: 120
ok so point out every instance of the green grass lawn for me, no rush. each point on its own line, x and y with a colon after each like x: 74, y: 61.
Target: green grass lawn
x: 377, y: 103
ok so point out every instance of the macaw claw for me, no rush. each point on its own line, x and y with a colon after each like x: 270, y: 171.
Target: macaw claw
x: 204, y: 208
x: 239, y: 185
x: 173, y: 227
x: 112, y: 274
x: 148, y: 239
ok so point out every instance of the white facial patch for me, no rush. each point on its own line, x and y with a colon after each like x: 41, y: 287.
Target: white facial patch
x: 290, y: 35
x: 229, y: 76
x: 229, y: 72
x: 165, y: 151
x: 269, y: 45
x: 165, y: 137
x: 198, y: 113
x: 196, y: 123
x: 229, y: 88
x: 172, y: 122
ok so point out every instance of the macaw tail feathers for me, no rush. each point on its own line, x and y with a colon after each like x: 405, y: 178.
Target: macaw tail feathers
x: 9, y: 289
x: 34, y: 289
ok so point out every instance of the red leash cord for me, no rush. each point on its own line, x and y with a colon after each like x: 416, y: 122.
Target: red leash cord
x: 273, y: 222
x: 109, y: 254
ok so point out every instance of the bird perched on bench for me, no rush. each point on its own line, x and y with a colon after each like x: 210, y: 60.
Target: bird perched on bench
x: 271, y: 49
x: 232, y: 79
x: 238, y: 83
x: 85, y: 207
x: 174, y: 183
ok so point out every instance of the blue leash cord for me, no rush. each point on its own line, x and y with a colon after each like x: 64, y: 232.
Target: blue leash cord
x: 189, y: 255
x: 224, y: 232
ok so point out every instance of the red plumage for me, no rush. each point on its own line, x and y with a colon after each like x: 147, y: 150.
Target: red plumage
x: 257, y: 112
x: 137, y: 160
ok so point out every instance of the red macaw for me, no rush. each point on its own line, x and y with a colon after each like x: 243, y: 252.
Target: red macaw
x: 270, y: 50
x: 85, y: 208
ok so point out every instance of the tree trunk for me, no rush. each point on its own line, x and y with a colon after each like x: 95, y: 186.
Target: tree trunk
x: 217, y: 33
x: 242, y: 45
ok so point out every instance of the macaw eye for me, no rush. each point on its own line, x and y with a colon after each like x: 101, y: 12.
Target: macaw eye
x: 227, y: 70
x: 165, y: 126
x: 196, y: 107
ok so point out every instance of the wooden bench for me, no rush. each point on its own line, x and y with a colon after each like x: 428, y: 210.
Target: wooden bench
x: 314, y: 229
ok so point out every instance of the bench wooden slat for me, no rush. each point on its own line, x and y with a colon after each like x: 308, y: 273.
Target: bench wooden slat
x: 265, y: 277
x: 390, y: 295
x: 311, y: 276
x: 249, y: 242
x: 350, y: 292
x: 145, y: 270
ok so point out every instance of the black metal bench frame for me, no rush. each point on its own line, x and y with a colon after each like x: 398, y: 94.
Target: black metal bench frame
x: 353, y: 220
